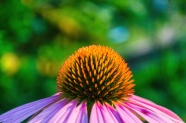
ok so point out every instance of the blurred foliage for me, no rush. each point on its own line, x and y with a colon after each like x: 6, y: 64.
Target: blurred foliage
x: 37, y: 36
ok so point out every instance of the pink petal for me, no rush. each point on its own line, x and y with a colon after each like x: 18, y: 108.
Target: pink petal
x: 112, y: 112
x: 108, y: 116
x: 163, y: 114
x: 166, y: 111
x: 22, y: 112
x: 126, y: 115
x: 79, y: 114
x: 147, y: 115
x: 48, y: 113
x: 96, y: 115
x: 103, y: 114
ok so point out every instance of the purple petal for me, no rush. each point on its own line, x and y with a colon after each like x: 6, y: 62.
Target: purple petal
x: 74, y: 115
x: 22, y: 112
x: 126, y: 115
x: 152, y: 110
x: 48, y: 113
x: 63, y: 114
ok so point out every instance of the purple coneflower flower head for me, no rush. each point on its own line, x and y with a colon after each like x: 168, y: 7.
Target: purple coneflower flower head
x: 94, y: 85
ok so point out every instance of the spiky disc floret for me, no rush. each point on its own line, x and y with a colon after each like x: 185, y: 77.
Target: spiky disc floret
x: 95, y: 73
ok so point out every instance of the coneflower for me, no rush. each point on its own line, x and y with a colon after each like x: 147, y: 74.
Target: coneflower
x: 94, y: 85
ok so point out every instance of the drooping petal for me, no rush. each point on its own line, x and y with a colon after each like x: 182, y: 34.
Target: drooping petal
x: 146, y: 114
x: 48, y: 113
x: 126, y: 115
x: 152, y: 110
x: 103, y: 114
x: 20, y: 113
x: 160, y: 108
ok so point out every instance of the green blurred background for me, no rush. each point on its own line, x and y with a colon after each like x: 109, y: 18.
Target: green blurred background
x: 37, y: 36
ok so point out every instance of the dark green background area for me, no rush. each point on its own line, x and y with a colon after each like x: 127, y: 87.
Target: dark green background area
x: 36, y: 37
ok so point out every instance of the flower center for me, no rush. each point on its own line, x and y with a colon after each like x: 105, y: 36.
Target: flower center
x: 95, y: 73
